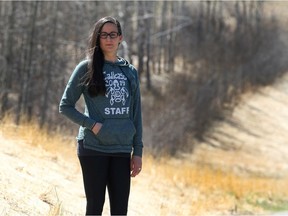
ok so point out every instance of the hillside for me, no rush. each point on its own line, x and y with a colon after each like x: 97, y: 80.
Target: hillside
x: 251, y: 146
x: 254, y: 138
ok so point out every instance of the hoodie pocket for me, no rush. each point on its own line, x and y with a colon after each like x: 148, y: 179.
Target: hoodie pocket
x: 117, y: 132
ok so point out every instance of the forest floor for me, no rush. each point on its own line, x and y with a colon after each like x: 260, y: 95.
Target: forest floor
x: 251, y: 145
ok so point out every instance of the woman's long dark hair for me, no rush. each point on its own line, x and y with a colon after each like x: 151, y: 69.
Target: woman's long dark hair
x: 95, y: 78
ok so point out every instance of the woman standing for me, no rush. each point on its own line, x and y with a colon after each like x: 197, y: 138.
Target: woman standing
x: 111, y: 125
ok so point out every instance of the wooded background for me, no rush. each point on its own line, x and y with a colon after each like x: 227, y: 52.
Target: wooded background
x: 194, y: 58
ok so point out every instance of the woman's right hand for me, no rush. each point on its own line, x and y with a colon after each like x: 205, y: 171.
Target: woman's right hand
x: 97, y: 128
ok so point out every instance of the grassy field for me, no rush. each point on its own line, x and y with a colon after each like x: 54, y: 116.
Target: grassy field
x: 195, y: 187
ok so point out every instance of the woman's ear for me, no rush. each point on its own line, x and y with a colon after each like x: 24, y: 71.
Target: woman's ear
x: 120, y: 38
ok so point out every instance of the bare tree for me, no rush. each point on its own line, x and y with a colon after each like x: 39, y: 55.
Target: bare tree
x: 25, y: 101
x: 140, y: 36
x: 47, y: 75
x: 7, y: 56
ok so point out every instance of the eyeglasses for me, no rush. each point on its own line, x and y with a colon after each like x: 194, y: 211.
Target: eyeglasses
x: 112, y: 35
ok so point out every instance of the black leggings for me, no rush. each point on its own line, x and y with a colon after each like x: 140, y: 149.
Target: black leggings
x: 101, y: 171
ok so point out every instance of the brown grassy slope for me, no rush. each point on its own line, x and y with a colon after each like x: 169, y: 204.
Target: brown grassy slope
x: 254, y: 138
x: 241, y: 168
x: 252, y: 143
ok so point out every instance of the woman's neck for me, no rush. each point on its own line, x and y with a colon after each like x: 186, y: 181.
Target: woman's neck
x: 111, y: 58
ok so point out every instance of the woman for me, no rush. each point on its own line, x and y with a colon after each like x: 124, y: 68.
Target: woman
x: 111, y: 125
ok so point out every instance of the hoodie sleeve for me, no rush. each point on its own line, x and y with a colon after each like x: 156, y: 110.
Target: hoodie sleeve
x: 137, y: 119
x: 71, y: 95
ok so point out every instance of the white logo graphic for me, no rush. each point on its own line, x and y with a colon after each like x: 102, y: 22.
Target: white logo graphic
x: 115, y: 84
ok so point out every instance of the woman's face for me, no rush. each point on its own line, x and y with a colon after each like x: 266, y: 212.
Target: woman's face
x: 109, y: 39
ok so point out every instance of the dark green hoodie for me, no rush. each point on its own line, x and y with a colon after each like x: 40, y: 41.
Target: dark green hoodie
x: 119, y: 110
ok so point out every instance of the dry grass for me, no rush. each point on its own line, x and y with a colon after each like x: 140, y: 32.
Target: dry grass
x: 32, y: 134
x: 51, y: 198
x: 221, y: 190
x: 29, y: 132
x: 217, y: 190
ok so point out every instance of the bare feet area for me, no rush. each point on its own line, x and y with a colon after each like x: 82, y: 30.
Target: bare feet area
x: 253, y: 141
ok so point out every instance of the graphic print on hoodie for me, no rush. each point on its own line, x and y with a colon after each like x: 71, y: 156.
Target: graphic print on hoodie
x: 117, y: 93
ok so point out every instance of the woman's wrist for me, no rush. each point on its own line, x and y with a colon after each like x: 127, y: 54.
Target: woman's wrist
x: 96, y: 128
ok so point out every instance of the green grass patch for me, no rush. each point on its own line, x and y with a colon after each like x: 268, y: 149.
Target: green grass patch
x: 273, y: 205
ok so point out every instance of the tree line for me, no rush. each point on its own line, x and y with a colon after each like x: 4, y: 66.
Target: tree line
x: 207, y: 51
x: 41, y: 41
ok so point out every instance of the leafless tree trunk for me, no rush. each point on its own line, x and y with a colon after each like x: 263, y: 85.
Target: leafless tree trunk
x: 161, y: 40
x: 25, y: 101
x: 140, y: 37
x: 172, y: 42
x: 148, y: 44
x: 47, y: 76
x: 6, y: 57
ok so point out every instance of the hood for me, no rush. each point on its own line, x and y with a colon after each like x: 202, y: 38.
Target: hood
x: 120, y: 62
